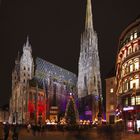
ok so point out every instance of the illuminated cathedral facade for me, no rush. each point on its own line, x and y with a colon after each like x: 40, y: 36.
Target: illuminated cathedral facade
x: 39, y: 91
x: 89, y: 80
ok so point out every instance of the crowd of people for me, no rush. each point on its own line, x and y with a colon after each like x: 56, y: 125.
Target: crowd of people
x: 5, y: 130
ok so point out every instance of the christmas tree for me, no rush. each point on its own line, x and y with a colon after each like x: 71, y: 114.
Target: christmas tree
x: 71, y: 113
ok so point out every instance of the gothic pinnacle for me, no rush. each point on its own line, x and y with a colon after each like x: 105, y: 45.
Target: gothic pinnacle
x: 88, y: 22
x: 27, y: 41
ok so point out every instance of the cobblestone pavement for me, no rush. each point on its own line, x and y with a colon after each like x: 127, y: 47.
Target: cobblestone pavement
x: 92, y: 134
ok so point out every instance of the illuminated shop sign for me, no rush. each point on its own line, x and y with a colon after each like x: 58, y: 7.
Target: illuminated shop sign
x: 88, y: 112
x: 128, y: 108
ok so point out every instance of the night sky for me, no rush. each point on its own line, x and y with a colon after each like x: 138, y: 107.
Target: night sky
x: 54, y: 28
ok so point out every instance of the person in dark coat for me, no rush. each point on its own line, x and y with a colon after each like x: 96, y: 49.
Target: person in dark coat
x: 6, y: 131
x: 15, y: 132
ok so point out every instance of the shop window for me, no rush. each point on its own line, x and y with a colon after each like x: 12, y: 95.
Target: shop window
x: 132, y: 100
x: 126, y: 102
x: 138, y: 100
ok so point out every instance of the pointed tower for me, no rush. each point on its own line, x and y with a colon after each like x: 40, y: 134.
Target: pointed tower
x: 89, y: 81
x: 26, y: 64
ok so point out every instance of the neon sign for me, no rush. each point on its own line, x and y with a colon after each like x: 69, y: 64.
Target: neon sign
x: 128, y: 108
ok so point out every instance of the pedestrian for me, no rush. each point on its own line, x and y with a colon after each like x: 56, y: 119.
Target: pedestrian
x: 34, y: 129
x: 1, y: 131
x: 28, y: 127
x: 6, y: 131
x: 15, y: 132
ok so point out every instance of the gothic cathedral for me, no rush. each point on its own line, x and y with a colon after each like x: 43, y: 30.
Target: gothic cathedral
x: 23, y: 71
x: 89, y: 80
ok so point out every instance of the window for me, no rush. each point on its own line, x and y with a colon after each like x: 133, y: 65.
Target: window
x: 125, y: 85
x: 111, y: 107
x: 131, y: 67
x: 130, y: 50
x: 24, y: 74
x: 124, y: 53
x: 138, y: 100
x: 136, y: 64
x: 132, y: 100
x: 134, y: 81
x: 24, y: 68
x: 111, y: 90
x: 24, y: 81
x: 28, y: 69
x: 123, y: 71
x: 131, y: 37
x: 135, y: 47
x: 126, y: 102
x: 135, y: 35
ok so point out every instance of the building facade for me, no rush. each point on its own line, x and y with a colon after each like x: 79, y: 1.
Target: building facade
x: 128, y: 75
x: 58, y: 83
x: 22, y: 73
x: 39, y: 91
x: 111, y: 99
x: 4, y: 114
x: 89, y: 80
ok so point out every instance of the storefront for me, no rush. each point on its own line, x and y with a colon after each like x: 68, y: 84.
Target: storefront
x: 131, y: 118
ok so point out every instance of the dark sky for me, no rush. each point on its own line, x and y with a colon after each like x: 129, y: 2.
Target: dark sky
x: 54, y: 28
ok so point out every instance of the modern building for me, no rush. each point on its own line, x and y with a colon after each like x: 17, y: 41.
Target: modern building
x: 111, y: 99
x: 128, y: 75
x: 39, y: 91
x: 89, y: 80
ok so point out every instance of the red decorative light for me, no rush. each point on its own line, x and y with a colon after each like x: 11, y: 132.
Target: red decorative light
x: 31, y: 107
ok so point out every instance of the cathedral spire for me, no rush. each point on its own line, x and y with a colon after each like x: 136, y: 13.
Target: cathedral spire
x: 89, y: 23
x: 27, y: 41
x: 18, y: 56
x: 27, y: 45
